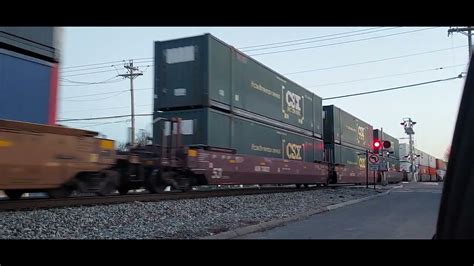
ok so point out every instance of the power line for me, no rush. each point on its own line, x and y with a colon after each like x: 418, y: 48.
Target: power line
x: 89, y: 73
x: 100, y: 67
x: 83, y: 83
x: 107, y: 108
x: 385, y: 76
x: 110, y: 62
x: 90, y: 68
x: 372, y: 61
x: 99, y: 99
x: 326, y: 68
x: 102, y: 93
x: 94, y: 94
x: 99, y: 118
x: 327, y: 39
x: 103, y: 71
x: 304, y: 39
x: 95, y: 64
x: 332, y: 44
x: 328, y: 98
x: 394, y: 88
x: 107, y: 123
x: 150, y: 59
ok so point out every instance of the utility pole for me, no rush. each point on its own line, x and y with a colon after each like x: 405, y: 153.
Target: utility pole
x: 408, y: 125
x: 466, y: 31
x: 132, y: 73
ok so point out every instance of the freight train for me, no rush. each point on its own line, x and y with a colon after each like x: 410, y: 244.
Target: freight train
x: 220, y: 118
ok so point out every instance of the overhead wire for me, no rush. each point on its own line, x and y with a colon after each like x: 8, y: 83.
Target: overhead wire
x: 322, y: 40
x: 339, y: 43
x: 391, y: 89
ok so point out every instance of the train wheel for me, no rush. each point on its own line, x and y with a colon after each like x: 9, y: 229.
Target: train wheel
x: 154, y: 183
x: 61, y: 192
x: 123, y: 190
x: 13, y: 194
x: 185, y: 185
x: 110, y: 182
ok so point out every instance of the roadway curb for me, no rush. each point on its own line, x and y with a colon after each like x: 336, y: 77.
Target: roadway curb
x: 276, y: 223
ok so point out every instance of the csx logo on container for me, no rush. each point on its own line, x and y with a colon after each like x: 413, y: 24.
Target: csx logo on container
x: 293, y: 151
x: 294, y: 102
x: 361, y: 134
x: 362, y: 163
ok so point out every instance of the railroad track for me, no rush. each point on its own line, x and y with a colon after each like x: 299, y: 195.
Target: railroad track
x: 41, y: 203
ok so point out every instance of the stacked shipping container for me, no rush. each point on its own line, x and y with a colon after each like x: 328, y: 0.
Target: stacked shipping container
x: 227, y: 99
x: 29, y: 60
x: 346, y: 138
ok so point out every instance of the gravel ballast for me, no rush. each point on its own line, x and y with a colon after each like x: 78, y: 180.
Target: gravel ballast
x: 182, y: 219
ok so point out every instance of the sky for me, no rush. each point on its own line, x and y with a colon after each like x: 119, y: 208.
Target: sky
x: 328, y: 66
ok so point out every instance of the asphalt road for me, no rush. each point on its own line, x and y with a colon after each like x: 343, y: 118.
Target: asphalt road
x: 409, y: 212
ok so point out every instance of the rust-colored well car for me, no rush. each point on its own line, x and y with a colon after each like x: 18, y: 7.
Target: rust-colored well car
x: 53, y: 159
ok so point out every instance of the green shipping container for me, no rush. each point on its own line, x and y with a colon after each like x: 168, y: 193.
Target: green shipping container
x: 345, y: 129
x: 203, y: 71
x: 211, y: 127
x: 339, y: 154
x: 395, y: 144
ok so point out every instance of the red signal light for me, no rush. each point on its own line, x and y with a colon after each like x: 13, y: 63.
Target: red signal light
x: 376, y: 146
x: 387, y: 144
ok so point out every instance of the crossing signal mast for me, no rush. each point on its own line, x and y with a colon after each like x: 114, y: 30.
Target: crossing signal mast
x: 380, y: 147
x: 408, y: 124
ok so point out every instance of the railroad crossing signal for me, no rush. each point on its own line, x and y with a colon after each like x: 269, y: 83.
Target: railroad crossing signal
x: 377, y: 146
x: 385, y: 144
